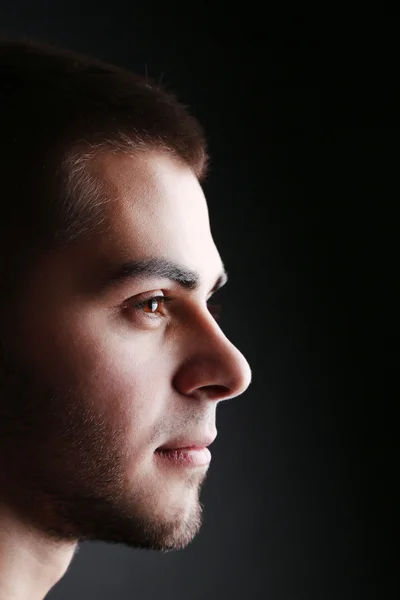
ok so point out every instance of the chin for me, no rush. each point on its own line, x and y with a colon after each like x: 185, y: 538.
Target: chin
x: 166, y: 523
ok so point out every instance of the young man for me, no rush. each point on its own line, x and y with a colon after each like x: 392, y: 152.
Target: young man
x: 111, y: 361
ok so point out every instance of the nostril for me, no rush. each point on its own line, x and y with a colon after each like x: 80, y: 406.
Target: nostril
x: 215, y: 392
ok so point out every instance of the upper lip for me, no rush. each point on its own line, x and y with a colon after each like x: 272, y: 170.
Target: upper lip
x: 199, y: 441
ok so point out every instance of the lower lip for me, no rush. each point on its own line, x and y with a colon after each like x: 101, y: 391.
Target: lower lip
x: 185, y: 457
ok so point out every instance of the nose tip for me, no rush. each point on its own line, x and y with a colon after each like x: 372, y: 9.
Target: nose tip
x: 247, y: 376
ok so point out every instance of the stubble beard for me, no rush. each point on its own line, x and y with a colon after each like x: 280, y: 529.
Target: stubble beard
x: 63, y: 470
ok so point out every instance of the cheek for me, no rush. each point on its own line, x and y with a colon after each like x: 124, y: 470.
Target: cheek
x: 124, y: 383
x: 123, y: 377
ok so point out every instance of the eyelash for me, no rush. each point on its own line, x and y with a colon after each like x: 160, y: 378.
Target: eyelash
x: 215, y: 309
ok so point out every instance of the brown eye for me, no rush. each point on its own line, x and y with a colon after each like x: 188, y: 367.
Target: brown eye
x: 150, y: 305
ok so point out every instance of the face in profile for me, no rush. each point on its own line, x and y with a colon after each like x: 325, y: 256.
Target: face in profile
x: 105, y: 367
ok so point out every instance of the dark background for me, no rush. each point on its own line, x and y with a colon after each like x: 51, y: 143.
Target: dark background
x: 303, y: 132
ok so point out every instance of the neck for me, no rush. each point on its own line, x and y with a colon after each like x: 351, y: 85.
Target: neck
x: 30, y: 563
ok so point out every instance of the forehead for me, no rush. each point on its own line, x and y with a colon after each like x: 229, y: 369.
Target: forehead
x: 155, y: 206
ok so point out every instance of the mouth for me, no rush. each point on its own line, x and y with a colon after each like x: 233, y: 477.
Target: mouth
x: 186, y: 451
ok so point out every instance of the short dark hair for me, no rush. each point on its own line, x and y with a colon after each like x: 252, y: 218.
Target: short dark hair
x: 59, y: 110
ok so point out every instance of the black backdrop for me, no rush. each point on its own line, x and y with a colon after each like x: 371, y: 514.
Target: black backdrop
x: 303, y: 134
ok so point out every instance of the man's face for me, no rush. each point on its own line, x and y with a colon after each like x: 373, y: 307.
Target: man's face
x: 91, y: 386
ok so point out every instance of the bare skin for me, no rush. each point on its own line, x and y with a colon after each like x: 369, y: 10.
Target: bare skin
x: 90, y: 386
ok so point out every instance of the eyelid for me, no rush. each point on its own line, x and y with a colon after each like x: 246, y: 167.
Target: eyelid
x: 137, y: 305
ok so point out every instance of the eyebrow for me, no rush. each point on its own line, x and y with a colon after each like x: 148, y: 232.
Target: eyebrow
x: 143, y: 269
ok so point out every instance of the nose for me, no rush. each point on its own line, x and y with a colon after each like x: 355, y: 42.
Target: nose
x: 214, y: 368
